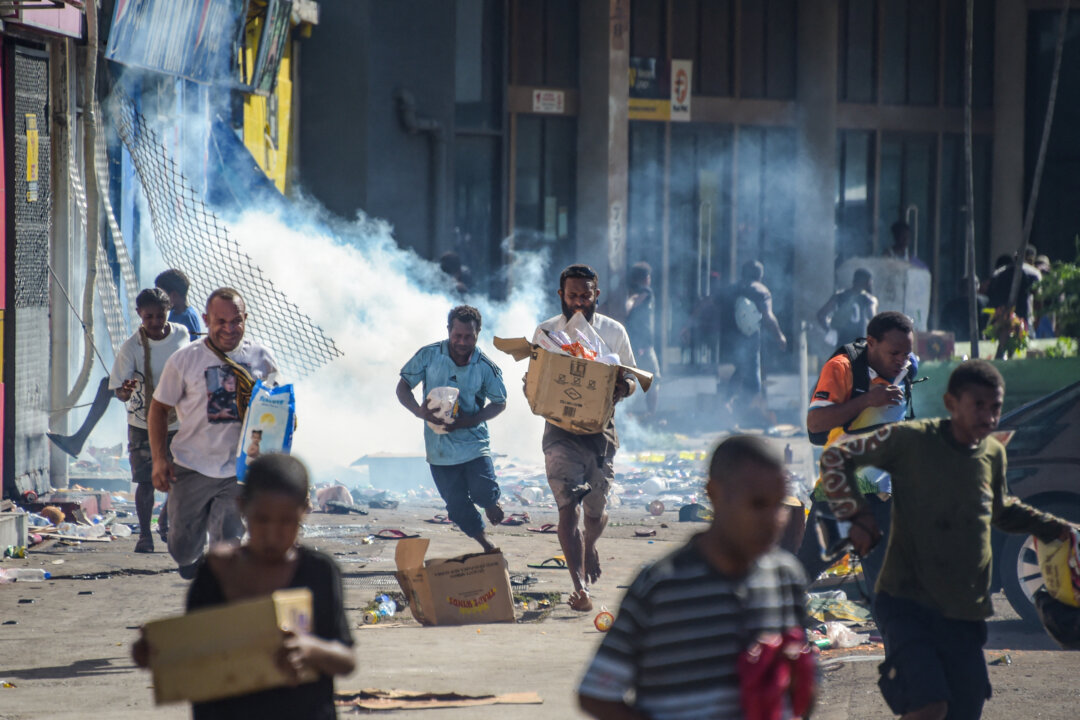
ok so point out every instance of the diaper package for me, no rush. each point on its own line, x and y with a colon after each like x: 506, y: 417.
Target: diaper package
x: 444, y: 401
x: 268, y: 424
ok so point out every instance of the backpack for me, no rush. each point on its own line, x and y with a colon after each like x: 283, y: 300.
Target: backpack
x: 860, y: 382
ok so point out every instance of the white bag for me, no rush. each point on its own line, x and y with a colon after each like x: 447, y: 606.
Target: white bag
x: 444, y: 401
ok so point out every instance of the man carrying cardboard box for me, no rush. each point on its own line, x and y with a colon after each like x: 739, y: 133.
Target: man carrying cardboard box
x: 580, y: 467
x: 457, y: 451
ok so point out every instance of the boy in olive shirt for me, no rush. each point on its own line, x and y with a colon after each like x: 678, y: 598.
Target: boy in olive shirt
x: 933, y: 594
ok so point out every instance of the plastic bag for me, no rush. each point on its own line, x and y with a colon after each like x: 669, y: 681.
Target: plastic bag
x: 841, y: 636
x: 268, y: 424
x: 444, y: 401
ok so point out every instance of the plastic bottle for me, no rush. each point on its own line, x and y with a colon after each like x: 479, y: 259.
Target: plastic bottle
x: 27, y: 574
x: 387, y: 606
x: 120, y: 530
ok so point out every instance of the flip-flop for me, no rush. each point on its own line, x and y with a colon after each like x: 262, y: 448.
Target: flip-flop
x: 523, y: 580
x: 644, y: 533
x: 440, y: 520
x: 545, y: 528
x: 515, y: 519
x: 392, y: 534
x: 552, y: 563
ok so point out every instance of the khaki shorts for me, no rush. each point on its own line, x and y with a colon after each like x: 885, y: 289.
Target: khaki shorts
x: 572, y: 463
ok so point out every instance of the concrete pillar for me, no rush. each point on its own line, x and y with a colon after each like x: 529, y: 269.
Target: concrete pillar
x: 815, y: 231
x: 602, y: 160
x: 1007, y: 191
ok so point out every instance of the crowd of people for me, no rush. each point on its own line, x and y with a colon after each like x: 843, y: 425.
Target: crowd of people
x: 920, y: 495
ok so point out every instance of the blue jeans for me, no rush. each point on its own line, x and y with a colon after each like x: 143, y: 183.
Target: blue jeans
x: 465, y: 486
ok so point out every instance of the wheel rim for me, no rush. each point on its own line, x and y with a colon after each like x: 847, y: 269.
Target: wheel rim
x: 1027, y: 568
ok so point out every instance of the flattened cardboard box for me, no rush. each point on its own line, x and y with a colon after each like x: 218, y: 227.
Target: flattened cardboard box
x: 569, y: 392
x: 454, y: 591
x: 225, y: 651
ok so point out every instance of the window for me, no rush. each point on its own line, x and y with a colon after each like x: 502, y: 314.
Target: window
x: 767, y: 57
x: 545, y: 44
x: 908, y: 192
x: 910, y: 52
x: 545, y: 187
x: 478, y: 78
x: 857, y: 74
x: 982, y: 50
x: 950, y: 263
x: 855, y: 192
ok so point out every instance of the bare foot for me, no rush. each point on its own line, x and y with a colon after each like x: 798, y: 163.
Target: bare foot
x: 592, y: 566
x: 579, y: 600
x: 495, y: 514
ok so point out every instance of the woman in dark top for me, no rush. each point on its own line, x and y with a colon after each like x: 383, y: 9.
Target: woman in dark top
x: 274, y: 501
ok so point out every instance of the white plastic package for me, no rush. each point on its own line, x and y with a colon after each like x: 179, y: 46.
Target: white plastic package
x: 444, y: 401
x: 268, y: 424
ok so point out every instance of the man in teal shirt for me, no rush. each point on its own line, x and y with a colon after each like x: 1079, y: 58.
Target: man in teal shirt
x: 460, y: 459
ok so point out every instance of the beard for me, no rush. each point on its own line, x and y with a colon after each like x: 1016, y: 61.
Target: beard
x: 587, y: 312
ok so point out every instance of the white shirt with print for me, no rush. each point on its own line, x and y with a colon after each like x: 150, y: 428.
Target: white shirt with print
x: 195, y: 382
x: 129, y: 365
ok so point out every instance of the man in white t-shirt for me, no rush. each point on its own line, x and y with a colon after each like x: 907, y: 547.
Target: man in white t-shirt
x: 155, y: 341
x: 580, y: 468
x: 201, y: 478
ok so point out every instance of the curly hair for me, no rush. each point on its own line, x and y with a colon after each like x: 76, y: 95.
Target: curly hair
x: 886, y: 321
x: 465, y: 314
x: 974, y: 372
x: 152, y: 296
x: 173, y: 280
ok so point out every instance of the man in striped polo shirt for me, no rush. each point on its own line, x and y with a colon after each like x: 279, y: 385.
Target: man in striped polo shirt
x: 687, y: 619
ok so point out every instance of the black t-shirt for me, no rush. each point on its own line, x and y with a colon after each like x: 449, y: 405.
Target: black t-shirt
x: 1001, y: 286
x: 640, y: 322
x: 317, y: 572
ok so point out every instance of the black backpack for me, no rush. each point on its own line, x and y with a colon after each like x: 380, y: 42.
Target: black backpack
x: 860, y: 383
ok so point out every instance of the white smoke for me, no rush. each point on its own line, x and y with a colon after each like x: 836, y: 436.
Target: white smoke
x: 381, y: 304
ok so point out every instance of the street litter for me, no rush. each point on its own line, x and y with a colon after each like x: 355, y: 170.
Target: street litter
x: 603, y: 620
x: 834, y: 606
x: 841, y: 636
x: 454, y: 591
x: 374, y: 699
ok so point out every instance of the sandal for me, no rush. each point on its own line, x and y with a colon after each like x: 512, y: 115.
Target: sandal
x: 557, y: 562
x: 515, y: 519
x: 392, y: 534
x: 550, y: 528
x: 440, y: 520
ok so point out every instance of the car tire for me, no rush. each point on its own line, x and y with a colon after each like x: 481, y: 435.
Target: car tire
x: 1019, y: 566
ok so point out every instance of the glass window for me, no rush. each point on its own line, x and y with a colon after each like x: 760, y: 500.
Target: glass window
x: 894, y: 51
x: 647, y: 29
x: 528, y: 42
x: 752, y: 49
x: 716, y: 47
x: 544, y: 180
x: 982, y: 49
x: 478, y: 78
x: 478, y: 205
x: 858, y: 54
x: 854, y: 206
x: 561, y: 46
x: 780, y: 33
x: 908, y: 162
x: 950, y: 264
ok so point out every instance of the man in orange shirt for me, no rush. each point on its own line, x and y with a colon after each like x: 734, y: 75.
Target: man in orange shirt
x: 864, y: 385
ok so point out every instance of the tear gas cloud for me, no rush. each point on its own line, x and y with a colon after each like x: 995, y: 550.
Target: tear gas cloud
x: 381, y: 304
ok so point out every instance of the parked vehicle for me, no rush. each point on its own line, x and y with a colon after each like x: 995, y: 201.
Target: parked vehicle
x: 1044, y: 471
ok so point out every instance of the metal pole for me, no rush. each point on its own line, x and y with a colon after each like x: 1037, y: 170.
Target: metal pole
x: 969, y: 191
x: 804, y: 379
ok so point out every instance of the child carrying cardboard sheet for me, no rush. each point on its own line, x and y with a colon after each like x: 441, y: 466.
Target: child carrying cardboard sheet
x: 274, y: 501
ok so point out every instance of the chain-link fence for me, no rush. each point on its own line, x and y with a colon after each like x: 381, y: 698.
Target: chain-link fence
x: 193, y: 239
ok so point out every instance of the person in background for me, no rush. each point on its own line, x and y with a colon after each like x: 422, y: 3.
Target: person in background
x: 753, y: 313
x: 176, y: 284
x: 641, y: 327
x: 1044, y: 324
x: 138, y: 365
x: 675, y: 647
x: 955, y: 316
x: 1000, y: 285
x: 845, y: 314
x: 273, y: 503
x: 901, y: 233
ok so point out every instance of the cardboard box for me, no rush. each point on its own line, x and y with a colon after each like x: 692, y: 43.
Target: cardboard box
x: 228, y: 650
x: 570, y: 392
x: 454, y: 591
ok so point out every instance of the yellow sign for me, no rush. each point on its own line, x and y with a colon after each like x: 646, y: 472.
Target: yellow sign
x: 31, y: 158
x: 646, y: 109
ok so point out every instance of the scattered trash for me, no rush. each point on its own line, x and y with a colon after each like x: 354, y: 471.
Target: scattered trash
x: 603, y: 620
x: 10, y: 622
x: 26, y: 601
x: 6, y: 684
x: 841, y: 636
x: 656, y: 507
x: 120, y: 530
x: 374, y: 699
x: 827, y: 606
x: 86, y: 592
x: 51, y: 514
x: 23, y: 575
x: 1005, y: 659
x: 694, y: 512
x: 558, y: 562
x: 644, y: 533
x: 15, y: 551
